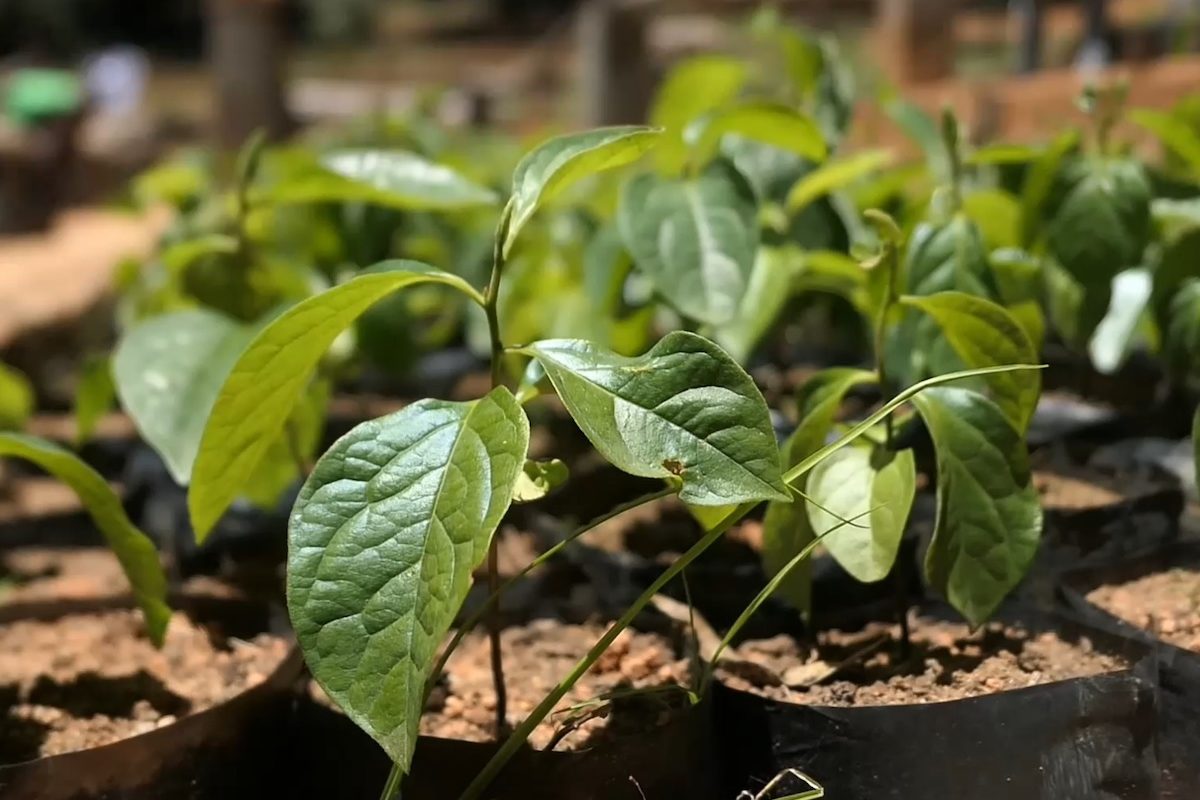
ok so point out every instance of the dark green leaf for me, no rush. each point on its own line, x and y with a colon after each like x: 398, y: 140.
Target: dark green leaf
x: 1101, y: 221
x: 266, y: 382
x: 989, y: 521
x: 684, y: 411
x: 867, y: 481
x: 382, y: 543
x: 695, y: 239
x: 984, y: 334
x: 132, y: 548
x: 554, y: 165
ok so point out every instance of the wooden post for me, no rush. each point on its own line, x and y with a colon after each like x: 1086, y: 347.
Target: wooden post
x: 616, y: 76
x: 1029, y: 15
x: 246, y: 55
x: 916, y: 39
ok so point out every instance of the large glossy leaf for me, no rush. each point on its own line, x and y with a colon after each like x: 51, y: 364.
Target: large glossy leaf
x: 265, y: 384
x: 553, y: 166
x: 1113, y: 337
x: 169, y: 371
x: 381, y: 546
x: 16, y: 399
x: 767, y: 123
x: 989, y: 521
x: 692, y: 88
x: 865, y: 481
x: 683, y: 411
x: 984, y: 334
x: 132, y: 548
x: 834, y: 175
x: 786, y: 528
x: 1101, y: 221
x: 695, y: 239
x: 391, y: 178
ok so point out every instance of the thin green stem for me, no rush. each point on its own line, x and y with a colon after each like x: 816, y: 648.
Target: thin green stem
x: 550, y: 553
x: 393, y: 783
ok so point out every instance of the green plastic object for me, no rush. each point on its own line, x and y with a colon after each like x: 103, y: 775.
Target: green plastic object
x: 37, y: 95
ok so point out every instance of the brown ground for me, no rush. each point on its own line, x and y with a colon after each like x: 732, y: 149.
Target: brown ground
x: 536, y: 657
x: 34, y: 573
x: 947, y: 663
x: 1165, y: 603
x: 92, y: 679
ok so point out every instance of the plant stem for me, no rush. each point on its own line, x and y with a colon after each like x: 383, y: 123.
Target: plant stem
x: 521, y: 734
x: 473, y: 620
x: 491, y: 299
x: 393, y: 783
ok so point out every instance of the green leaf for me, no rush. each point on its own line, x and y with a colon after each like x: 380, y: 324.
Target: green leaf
x: 945, y: 257
x: 16, y: 399
x: 554, y: 165
x: 266, y: 382
x: 766, y: 294
x: 381, y: 546
x: 1101, y: 221
x: 94, y: 396
x: 835, y: 175
x: 538, y: 479
x: 1182, y: 335
x: 289, y: 455
x: 132, y: 548
x: 989, y: 521
x: 181, y: 255
x: 984, y: 334
x: 786, y: 528
x: 1003, y: 153
x: 168, y: 373
x: 1040, y: 183
x: 390, y: 178
x: 692, y: 88
x: 696, y: 239
x: 1114, y: 336
x: 1178, y: 136
x: 767, y: 123
x: 684, y: 411
x: 868, y: 481
x: 998, y: 216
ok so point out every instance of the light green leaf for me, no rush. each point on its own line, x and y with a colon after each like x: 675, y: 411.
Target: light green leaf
x: 94, y: 395
x: 696, y: 239
x: 989, y: 521
x: 684, y: 411
x: 1002, y: 153
x: 391, y: 178
x: 1175, y: 133
x: 692, y: 88
x: 181, y: 255
x: 786, y: 528
x: 16, y: 399
x: 1113, y: 337
x: 998, y: 215
x: 835, y: 175
x: 868, y: 481
x: 168, y: 373
x: 767, y: 123
x: 381, y: 546
x: 767, y: 293
x: 1101, y: 221
x: 132, y: 548
x: 289, y: 456
x: 984, y: 334
x: 266, y: 382
x: 554, y: 165
x: 538, y: 479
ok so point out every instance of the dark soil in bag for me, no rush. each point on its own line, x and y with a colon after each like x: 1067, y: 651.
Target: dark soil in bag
x: 1156, y: 598
x: 1032, y: 707
x: 90, y: 709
